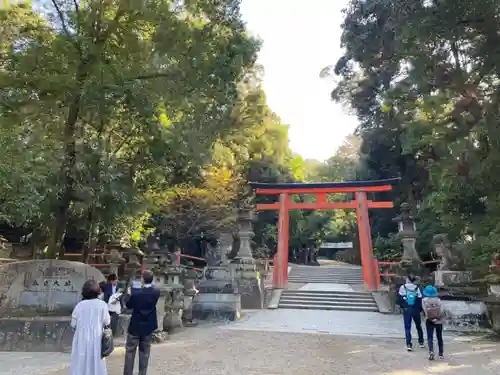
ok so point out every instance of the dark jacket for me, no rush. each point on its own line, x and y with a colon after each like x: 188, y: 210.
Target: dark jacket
x: 142, y: 302
x: 108, y: 292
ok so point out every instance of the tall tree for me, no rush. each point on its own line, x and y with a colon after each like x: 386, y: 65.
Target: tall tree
x: 131, y: 93
x: 422, y: 77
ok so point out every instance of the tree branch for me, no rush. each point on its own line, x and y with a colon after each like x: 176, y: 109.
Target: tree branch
x: 65, y: 27
x: 143, y: 77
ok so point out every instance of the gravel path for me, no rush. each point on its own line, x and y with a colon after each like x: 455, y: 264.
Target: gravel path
x: 216, y: 351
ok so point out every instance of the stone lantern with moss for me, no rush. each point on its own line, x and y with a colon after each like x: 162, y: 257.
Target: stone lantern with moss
x: 246, y: 272
x: 407, y: 228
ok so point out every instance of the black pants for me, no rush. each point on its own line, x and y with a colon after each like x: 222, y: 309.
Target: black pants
x: 144, y: 344
x: 114, y: 322
x: 431, y: 327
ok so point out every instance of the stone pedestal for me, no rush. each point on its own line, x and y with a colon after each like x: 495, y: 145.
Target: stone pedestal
x: 494, y: 290
x: 410, y: 260
x: 225, y: 246
x: 250, y: 285
x: 160, y: 283
x: 218, y: 297
x: 174, y: 301
x: 190, y: 291
x: 444, y: 278
x: 493, y: 305
x: 36, y: 301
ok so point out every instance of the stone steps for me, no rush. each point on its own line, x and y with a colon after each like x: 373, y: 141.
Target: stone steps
x: 333, y: 275
x: 330, y: 280
x: 330, y: 297
x: 323, y: 307
x: 327, y: 300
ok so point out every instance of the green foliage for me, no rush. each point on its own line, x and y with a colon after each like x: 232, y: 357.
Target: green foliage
x: 423, y: 78
x: 103, y: 105
x: 388, y: 249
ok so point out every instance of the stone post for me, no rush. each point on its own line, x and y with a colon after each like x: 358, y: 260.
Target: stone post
x: 250, y: 284
x: 115, y: 260
x: 132, y: 275
x: 410, y: 261
x: 225, y: 246
x: 134, y: 268
x: 246, y: 233
x: 161, y: 283
x: 174, y: 300
x: 190, y: 291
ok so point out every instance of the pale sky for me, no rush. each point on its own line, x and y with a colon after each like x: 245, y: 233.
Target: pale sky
x: 300, y: 38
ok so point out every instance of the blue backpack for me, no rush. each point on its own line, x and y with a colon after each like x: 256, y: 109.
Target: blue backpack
x: 411, y: 296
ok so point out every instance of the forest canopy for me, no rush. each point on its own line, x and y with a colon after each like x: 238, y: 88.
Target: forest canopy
x: 118, y: 119
x: 423, y: 80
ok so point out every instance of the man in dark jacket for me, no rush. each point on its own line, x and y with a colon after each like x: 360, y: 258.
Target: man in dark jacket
x: 143, y: 323
x: 112, y: 296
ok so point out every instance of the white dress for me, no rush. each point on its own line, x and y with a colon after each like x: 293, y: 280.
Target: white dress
x: 88, y: 318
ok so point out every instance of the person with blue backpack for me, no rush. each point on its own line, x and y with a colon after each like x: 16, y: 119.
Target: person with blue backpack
x: 410, y: 300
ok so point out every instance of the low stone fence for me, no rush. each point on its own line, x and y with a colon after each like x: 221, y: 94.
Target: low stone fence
x: 7, y: 260
x: 463, y: 313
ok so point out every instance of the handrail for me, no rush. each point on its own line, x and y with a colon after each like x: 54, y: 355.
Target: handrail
x: 386, y: 263
x: 180, y: 255
x: 398, y: 262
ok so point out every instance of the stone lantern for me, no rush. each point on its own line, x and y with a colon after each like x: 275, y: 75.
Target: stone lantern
x: 217, y: 295
x: 245, y: 232
x: 189, y: 277
x: 250, y: 283
x: 133, y: 267
x: 174, y: 298
x: 407, y: 229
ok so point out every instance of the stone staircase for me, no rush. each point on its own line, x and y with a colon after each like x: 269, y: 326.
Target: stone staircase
x: 327, y: 300
x: 328, y: 274
x: 327, y: 288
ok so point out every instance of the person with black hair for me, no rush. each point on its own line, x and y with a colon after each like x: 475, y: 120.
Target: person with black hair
x: 143, y: 323
x: 112, y: 296
x: 88, y: 319
x: 410, y: 300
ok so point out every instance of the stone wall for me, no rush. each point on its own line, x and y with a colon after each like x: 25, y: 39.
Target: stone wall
x: 461, y: 316
x: 42, y: 334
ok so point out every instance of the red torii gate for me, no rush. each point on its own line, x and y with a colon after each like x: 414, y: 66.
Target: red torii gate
x: 320, y: 190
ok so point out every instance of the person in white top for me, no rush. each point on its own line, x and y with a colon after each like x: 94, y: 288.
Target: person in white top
x: 88, y: 319
x: 112, y: 296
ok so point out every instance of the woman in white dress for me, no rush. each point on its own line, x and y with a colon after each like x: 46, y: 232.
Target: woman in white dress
x: 88, y: 319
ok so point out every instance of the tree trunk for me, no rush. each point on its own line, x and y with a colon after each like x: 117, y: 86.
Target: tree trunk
x: 56, y: 248
x: 90, y: 245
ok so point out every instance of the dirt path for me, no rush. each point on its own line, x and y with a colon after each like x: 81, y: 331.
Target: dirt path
x: 215, y: 350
